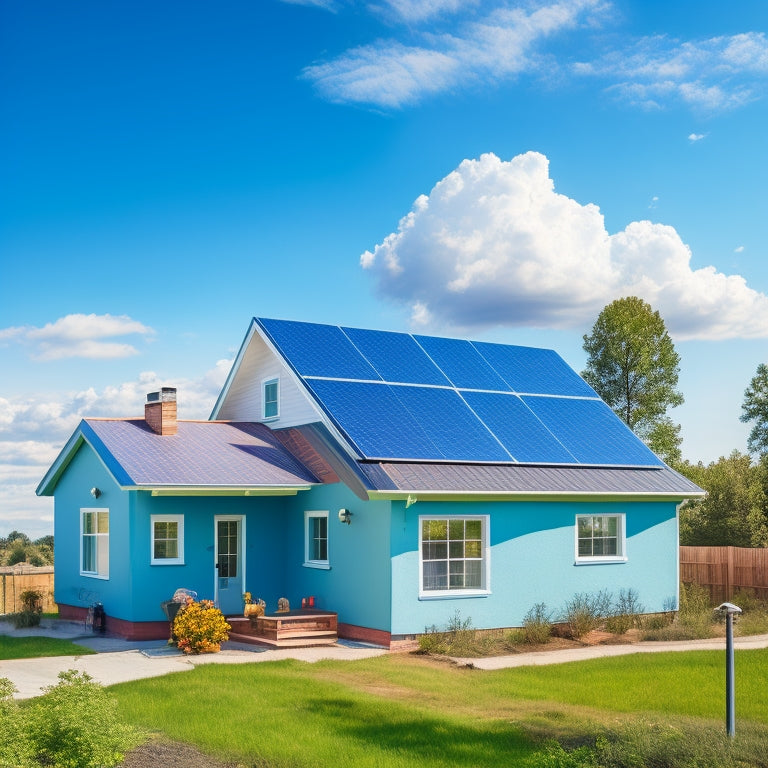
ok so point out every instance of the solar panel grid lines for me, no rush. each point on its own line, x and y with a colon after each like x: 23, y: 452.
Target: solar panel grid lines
x: 424, y: 398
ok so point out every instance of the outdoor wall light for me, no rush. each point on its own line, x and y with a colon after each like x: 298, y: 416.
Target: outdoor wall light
x: 345, y: 516
x: 95, y: 492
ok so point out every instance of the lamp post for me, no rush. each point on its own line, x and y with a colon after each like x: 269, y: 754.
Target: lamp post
x: 730, y: 610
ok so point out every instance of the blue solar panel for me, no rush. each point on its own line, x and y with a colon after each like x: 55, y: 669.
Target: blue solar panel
x: 591, y: 431
x: 396, y: 357
x: 397, y: 396
x: 458, y: 434
x: 319, y: 350
x: 534, y: 371
x: 374, y: 420
x: 462, y: 363
x: 521, y: 433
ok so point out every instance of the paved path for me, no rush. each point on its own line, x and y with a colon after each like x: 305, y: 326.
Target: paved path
x: 601, y: 651
x: 118, y: 661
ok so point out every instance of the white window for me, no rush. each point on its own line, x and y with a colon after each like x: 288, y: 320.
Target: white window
x: 453, y: 556
x: 316, y: 539
x: 167, y: 540
x: 270, y: 398
x: 600, y: 539
x: 94, y: 543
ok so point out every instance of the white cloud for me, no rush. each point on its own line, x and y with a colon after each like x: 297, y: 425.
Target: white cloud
x: 739, y: 249
x: 328, y: 5
x: 694, y: 137
x: 34, y: 429
x: 420, y: 10
x: 391, y: 74
x: 494, y: 244
x: 79, y: 335
x: 713, y: 74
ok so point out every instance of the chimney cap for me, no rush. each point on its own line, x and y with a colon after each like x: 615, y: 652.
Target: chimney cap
x: 165, y: 395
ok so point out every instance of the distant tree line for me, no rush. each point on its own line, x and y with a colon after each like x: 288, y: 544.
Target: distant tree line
x: 633, y: 365
x: 17, y: 547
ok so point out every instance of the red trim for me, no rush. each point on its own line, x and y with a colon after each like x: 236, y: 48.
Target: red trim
x: 130, y: 630
x: 365, y: 634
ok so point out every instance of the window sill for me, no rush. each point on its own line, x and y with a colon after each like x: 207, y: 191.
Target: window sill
x: 166, y: 562
x: 94, y: 576
x: 318, y: 566
x: 448, y: 594
x: 599, y: 560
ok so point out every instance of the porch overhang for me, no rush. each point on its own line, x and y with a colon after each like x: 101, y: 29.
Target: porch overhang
x: 254, y: 490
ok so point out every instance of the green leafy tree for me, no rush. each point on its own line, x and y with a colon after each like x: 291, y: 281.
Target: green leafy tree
x: 632, y: 364
x: 735, y: 510
x: 755, y: 408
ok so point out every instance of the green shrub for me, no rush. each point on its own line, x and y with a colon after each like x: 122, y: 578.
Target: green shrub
x: 748, y: 601
x: 31, y: 609
x: 584, y: 612
x: 457, y: 639
x: 75, y: 725
x: 754, y: 622
x: 14, y: 746
x: 537, y: 625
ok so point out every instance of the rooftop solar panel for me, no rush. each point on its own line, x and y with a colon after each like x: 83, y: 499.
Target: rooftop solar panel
x: 531, y: 370
x: 591, y: 431
x: 455, y: 429
x: 396, y: 357
x: 462, y: 363
x: 518, y: 429
x: 424, y: 398
x: 319, y: 350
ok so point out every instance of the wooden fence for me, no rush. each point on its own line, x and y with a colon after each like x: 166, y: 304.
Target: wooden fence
x: 725, y: 570
x: 15, y: 579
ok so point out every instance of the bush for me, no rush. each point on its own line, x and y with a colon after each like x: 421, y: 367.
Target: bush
x: 537, y: 625
x: 457, y: 639
x: 200, y: 627
x: 583, y: 612
x: 625, y: 612
x: 73, y: 725
x: 31, y: 609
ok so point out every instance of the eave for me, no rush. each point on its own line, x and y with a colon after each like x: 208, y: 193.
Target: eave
x: 202, y: 490
x: 412, y: 497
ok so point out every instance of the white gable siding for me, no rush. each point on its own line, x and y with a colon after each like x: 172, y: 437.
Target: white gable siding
x: 242, y: 401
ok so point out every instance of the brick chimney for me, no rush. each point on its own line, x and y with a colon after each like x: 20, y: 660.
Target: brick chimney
x: 160, y: 411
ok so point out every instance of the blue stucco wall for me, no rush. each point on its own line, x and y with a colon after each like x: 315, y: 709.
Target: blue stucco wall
x: 358, y: 583
x: 532, y: 561
x: 84, y: 472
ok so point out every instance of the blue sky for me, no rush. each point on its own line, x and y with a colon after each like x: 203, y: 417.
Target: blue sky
x: 492, y: 169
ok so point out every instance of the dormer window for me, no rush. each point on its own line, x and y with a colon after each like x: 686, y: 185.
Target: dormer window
x: 270, y: 398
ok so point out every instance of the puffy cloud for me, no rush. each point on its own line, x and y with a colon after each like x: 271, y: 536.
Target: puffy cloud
x: 79, y: 335
x: 502, y: 44
x: 693, y: 137
x: 494, y: 244
x: 420, y: 10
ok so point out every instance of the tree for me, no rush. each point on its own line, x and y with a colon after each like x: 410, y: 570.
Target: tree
x: 632, y: 364
x: 755, y: 408
x: 735, y: 510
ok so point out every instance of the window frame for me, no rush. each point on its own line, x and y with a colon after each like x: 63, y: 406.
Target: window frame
x: 264, y: 384
x: 485, y: 560
x: 621, y: 540
x: 101, y: 539
x: 310, y: 562
x: 179, y: 559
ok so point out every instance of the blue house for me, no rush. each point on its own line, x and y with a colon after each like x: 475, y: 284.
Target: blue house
x: 396, y: 478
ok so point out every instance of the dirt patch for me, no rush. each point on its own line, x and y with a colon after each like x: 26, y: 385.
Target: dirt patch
x: 160, y: 753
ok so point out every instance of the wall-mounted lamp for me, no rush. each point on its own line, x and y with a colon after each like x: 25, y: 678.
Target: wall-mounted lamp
x: 95, y: 492
x: 345, y: 516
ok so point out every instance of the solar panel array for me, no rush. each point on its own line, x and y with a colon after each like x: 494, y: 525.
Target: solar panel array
x: 399, y: 396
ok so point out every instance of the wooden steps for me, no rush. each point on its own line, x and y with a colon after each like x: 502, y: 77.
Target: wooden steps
x: 292, y: 629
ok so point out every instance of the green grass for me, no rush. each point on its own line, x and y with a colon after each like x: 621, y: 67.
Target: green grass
x: 34, y: 647
x: 405, y: 711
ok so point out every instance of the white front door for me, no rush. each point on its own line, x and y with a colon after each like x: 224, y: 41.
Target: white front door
x: 230, y: 563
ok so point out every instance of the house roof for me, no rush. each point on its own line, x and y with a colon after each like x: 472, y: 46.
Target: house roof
x: 204, y: 457
x: 402, y: 397
x: 440, y: 480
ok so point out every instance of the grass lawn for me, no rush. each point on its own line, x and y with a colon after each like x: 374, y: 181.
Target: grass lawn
x: 406, y: 711
x: 32, y: 647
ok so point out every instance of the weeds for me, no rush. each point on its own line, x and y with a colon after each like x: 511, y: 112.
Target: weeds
x: 584, y: 611
x: 625, y: 612
x: 537, y: 625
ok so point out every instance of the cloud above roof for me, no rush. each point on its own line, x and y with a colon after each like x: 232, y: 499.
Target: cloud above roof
x: 88, y: 336
x: 436, y: 46
x: 495, y: 244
